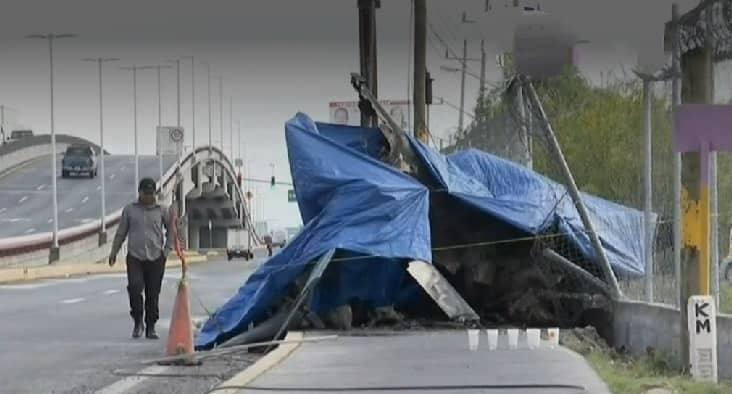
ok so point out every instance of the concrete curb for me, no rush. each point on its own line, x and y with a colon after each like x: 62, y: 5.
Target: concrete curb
x: 262, y: 365
x: 24, y: 274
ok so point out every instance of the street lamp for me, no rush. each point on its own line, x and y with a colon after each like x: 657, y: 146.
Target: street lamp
x: 238, y: 132
x: 208, y: 84
x: 50, y: 37
x: 231, y: 126
x: 160, y: 112
x: 103, y: 225
x: 193, y: 97
x: 177, y: 71
x: 221, y: 108
x: 134, y: 100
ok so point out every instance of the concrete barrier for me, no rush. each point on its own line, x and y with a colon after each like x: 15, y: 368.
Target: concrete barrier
x: 638, y: 326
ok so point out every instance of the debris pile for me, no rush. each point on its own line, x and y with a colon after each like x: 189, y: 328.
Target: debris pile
x: 415, y: 236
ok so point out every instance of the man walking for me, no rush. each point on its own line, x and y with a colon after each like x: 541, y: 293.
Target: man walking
x: 142, y: 224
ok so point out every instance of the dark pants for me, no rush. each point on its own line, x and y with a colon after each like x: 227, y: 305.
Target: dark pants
x: 148, y: 276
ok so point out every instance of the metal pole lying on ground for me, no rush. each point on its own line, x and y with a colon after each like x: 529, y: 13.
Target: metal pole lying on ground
x: 574, y: 192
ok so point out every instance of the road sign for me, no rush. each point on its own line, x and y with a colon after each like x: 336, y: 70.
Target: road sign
x: 348, y: 113
x: 291, y: 196
x: 703, y: 338
x: 170, y: 140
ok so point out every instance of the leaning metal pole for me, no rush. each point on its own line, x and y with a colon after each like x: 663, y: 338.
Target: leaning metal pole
x: 573, y: 191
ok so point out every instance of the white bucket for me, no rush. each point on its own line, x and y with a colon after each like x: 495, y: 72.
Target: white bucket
x: 473, y: 339
x: 492, y: 339
x: 513, y: 334
x: 533, y: 338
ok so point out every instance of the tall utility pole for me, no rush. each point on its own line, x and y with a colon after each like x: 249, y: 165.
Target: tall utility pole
x: 420, y: 71
x: 103, y: 220
x: 367, y: 51
x: 464, y: 70
x: 697, y: 88
x: 483, y: 60
x: 54, y: 255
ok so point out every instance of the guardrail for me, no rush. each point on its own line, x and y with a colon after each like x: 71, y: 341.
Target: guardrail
x: 15, y: 246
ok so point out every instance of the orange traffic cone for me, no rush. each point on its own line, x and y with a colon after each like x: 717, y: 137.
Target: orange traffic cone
x: 180, y: 335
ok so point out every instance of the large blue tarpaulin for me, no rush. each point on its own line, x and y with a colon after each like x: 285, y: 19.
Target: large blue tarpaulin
x: 378, y: 219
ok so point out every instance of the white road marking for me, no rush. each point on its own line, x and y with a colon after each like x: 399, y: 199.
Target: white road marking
x: 50, y: 220
x: 39, y: 188
x: 3, y: 210
x: 72, y: 301
x: 15, y: 220
x: 69, y: 210
x: 127, y: 384
x: 99, y: 187
x: 112, y: 176
x: 31, y: 286
x: 22, y: 200
x: 110, y: 292
x: 30, y: 230
x: 85, y: 199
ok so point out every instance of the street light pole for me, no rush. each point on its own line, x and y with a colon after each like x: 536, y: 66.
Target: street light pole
x: 134, y: 112
x: 160, y: 113
x: 193, y: 99
x: 208, y: 84
x: 103, y: 221
x: 231, y: 126
x: 54, y: 243
x: 221, y: 109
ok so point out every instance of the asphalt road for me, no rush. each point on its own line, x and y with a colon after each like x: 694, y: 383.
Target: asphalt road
x: 73, y: 335
x: 25, y: 194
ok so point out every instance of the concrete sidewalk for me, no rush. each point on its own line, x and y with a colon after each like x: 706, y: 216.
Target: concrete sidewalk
x: 419, y: 362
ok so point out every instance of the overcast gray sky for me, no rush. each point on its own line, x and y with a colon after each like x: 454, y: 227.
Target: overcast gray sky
x: 277, y: 57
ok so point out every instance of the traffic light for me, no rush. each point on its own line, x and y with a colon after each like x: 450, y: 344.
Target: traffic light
x: 272, y: 182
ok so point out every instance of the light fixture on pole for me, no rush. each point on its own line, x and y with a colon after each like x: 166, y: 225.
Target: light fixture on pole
x: 103, y: 221
x: 134, y: 110
x: 50, y: 37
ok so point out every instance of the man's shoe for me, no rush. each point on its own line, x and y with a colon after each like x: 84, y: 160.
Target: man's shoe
x: 150, y: 332
x: 137, y: 330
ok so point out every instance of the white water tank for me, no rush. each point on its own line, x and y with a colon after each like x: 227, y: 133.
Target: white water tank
x: 543, y: 47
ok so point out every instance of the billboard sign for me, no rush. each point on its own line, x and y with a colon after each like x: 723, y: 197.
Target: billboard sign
x: 347, y: 112
x: 170, y: 140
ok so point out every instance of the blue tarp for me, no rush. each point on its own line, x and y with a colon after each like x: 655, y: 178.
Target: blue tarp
x: 373, y: 213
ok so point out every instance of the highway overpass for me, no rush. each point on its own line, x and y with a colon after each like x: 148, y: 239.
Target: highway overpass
x: 201, y: 185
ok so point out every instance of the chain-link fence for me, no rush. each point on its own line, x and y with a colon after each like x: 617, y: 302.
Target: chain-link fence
x: 600, y: 130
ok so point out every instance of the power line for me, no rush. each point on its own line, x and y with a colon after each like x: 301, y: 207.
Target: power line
x: 450, y: 51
